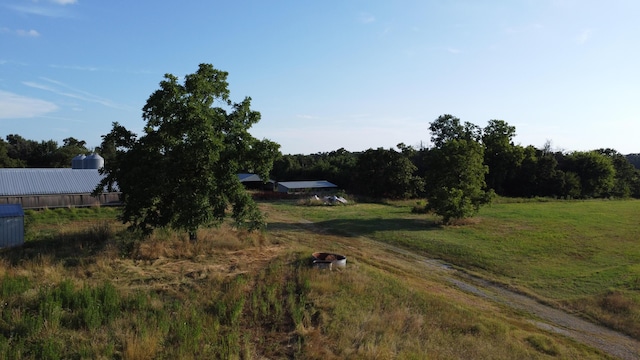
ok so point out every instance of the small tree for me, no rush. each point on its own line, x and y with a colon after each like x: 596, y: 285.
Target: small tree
x: 182, y: 173
x: 455, y: 180
x: 455, y: 176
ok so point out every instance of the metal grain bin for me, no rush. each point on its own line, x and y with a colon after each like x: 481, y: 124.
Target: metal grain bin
x: 78, y: 162
x: 11, y: 225
x: 93, y: 161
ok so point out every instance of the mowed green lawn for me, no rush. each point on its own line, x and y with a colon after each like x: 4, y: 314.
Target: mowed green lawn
x: 568, y: 252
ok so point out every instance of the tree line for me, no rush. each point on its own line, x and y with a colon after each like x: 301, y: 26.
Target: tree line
x: 182, y: 171
x: 18, y: 152
x: 508, y: 169
x: 401, y: 173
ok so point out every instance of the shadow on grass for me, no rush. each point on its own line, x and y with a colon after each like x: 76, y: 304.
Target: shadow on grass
x: 71, y: 250
x: 357, y: 227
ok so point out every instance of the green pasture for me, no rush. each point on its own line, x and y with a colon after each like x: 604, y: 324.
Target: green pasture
x: 81, y: 288
x: 559, y: 250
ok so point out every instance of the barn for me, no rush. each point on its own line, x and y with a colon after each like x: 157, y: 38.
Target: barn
x: 11, y: 225
x: 254, y: 182
x: 56, y: 187
x: 312, y: 186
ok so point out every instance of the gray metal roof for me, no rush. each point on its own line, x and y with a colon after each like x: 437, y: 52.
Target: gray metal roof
x: 313, y: 184
x: 16, y: 182
x: 11, y: 210
x: 248, y: 177
x: 244, y: 177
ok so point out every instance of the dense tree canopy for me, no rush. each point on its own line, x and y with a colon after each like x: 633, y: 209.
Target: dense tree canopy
x: 20, y: 152
x: 627, y: 178
x: 182, y: 172
x: 335, y: 166
x: 448, y: 127
x: 5, y: 160
x: 387, y: 174
x: 500, y: 154
x: 595, y: 172
x: 455, y: 178
x: 455, y: 184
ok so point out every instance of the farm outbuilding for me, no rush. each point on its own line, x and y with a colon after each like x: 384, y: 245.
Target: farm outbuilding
x: 59, y: 187
x: 11, y: 225
x: 322, y: 186
x: 253, y: 181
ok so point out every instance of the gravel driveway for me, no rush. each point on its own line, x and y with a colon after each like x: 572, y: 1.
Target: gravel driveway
x: 548, y: 318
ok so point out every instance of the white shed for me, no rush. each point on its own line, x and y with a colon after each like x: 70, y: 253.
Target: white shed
x: 11, y: 225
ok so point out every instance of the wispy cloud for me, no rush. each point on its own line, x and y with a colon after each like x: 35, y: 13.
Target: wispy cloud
x: 64, y: 2
x: 46, y: 11
x: 14, y: 106
x: 62, y: 89
x: 307, y: 117
x: 11, y: 62
x: 101, y: 69
x: 20, y: 32
x: 366, y: 18
x: 584, y: 36
x: 28, y: 33
x: 454, y: 50
x: 75, y: 67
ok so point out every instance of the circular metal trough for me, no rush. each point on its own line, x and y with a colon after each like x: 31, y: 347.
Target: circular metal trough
x: 323, y: 260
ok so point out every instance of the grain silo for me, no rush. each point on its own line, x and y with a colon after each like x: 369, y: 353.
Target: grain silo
x: 93, y: 161
x: 78, y: 162
x: 11, y: 225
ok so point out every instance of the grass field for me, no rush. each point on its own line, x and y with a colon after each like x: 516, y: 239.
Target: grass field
x: 584, y: 255
x: 82, y: 288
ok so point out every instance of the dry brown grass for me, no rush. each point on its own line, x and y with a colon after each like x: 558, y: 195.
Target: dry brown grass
x: 141, y: 346
x: 615, y: 309
x: 383, y: 305
x: 210, y: 242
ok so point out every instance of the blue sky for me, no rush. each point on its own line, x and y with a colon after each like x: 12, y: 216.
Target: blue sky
x: 332, y: 74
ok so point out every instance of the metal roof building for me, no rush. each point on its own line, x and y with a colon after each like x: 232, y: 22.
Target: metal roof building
x: 253, y: 181
x: 40, y: 188
x: 11, y: 225
x: 305, y: 186
x: 47, y: 181
x: 249, y: 178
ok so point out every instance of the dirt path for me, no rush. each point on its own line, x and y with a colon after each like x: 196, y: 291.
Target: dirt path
x: 547, y: 318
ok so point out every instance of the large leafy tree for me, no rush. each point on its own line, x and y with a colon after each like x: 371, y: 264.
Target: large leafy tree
x: 448, y: 127
x: 455, y: 177
x: 182, y: 172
